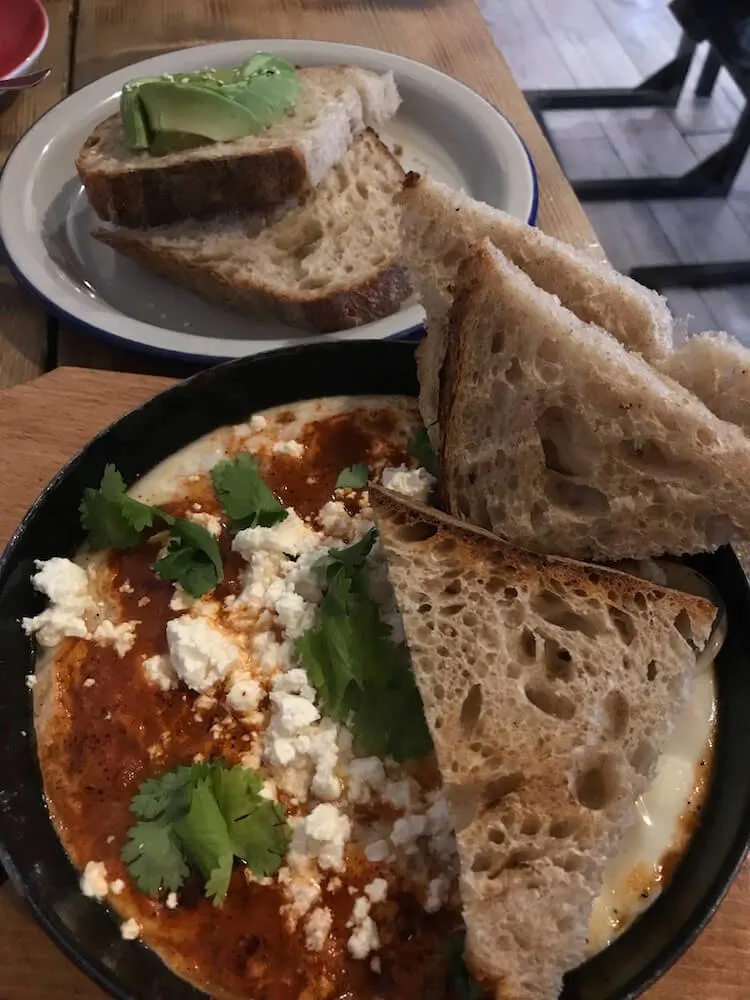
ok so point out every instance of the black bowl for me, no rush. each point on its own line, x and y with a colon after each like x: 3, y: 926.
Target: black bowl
x: 29, y: 847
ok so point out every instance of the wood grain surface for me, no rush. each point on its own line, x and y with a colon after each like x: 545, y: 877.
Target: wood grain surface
x: 448, y: 34
x: 44, y: 423
x: 23, y: 324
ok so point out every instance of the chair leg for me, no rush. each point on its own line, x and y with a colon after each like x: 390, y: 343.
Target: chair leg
x: 709, y: 75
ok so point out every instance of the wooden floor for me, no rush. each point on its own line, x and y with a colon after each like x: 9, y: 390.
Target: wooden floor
x: 591, y: 43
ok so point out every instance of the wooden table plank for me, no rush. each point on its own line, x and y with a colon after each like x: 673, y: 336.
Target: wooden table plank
x: 450, y: 34
x: 23, y: 323
x: 78, y: 403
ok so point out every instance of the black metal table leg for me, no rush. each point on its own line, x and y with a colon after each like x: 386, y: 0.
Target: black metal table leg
x: 713, y: 275
x: 709, y: 74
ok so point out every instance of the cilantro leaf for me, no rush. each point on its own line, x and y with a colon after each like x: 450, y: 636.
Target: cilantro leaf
x: 112, y: 519
x: 462, y: 985
x: 420, y: 447
x: 261, y: 837
x: 193, y: 558
x: 203, y: 816
x: 169, y: 795
x: 154, y: 857
x: 353, y: 477
x: 362, y: 678
x: 205, y: 839
x: 352, y: 557
x: 244, y: 495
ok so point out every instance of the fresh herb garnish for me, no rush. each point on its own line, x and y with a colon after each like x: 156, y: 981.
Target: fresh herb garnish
x: 192, y: 558
x: 116, y: 521
x: 362, y: 677
x: 112, y: 519
x: 243, y: 494
x: 461, y: 983
x: 203, y: 816
x: 420, y: 447
x: 354, y: 477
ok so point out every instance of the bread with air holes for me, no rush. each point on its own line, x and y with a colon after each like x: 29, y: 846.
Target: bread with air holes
x: 556, y: 437
x: 440, y: 227
x: 715, y: 367
x: 550, y: 688
x: 329, y: 262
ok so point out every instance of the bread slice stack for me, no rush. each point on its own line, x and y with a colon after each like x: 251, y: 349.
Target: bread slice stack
x: 299, y: 222
x: 550, y: 381
x: 549, y: 687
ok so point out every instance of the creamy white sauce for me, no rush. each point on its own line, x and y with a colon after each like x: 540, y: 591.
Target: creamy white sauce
x: 660, y: 827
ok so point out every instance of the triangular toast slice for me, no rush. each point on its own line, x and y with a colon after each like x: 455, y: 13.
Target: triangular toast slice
x: 441, y: 226
x: 549, y: 687
x: 715, y: 367
x: 556, y: 437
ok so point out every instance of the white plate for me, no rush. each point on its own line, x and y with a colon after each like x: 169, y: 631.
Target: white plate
x: 445, y: 129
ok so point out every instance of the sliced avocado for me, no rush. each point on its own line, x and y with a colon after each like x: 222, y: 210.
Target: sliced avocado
x: 175, y: 107
x: 174, y: 142
x: 134, y: 119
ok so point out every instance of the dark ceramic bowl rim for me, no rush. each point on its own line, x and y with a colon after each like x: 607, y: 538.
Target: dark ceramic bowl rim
x: 380, y: 359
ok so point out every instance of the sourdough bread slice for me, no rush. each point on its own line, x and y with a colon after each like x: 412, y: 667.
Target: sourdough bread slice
x: 259, y: 171
x: 715, y: 367
x: 550, y: 688
x: 441, y: 226
x: 330, y: 262
x: 560, y: 440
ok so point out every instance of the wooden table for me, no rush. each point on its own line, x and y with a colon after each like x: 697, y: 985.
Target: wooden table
x: 92, y: 37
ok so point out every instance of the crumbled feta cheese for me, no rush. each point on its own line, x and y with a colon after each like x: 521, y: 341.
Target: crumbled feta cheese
x: 323, y: 834
x: 94, y: 880
x: 304, y: 577
x: 268, y: 791
x: 66, y: 585
x: 366, y: 774
x: 295, y: 681
x: 334, y: 884
x: 201, y: 655
x: 258, y: 422
x: 89, y: 682
x: 377, y: 890
x: 436, y: 893
x: 293, y: 448
x: 210, y: 522
x: 317, y: 928
x: 440, y: 829
x: 244, y: 695
x: 117, y: 887
x: 414, y: 483
x: 294, y: 613
x: 364, y: 937
x: 126, y: 588
x: 336, y: 521
x: 397, y: 794
x: 181, y: 600
x: 377, y: 851
x: 159, y: 671
x: 172, y: 901
x: 31, y: 681
x: 406, y: 831
x: 130, y: 930
x: 375, y: 965
x: 300, y: 888
x: 293, y: 713
x: 289, y: 537
x: 121, y: 637
x: 324, y: 751
x: 270, y: 653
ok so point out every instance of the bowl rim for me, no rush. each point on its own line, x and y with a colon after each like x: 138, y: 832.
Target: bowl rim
x: 29, y: 60
x: 64, y: 937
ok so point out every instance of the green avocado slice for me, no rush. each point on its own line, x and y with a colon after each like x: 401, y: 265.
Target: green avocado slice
x: 177, y: 107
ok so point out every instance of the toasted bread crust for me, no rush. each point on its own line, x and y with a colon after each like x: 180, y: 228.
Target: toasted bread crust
x: 197, y: 188
x: 372, y: 299
x: 537, y: 674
